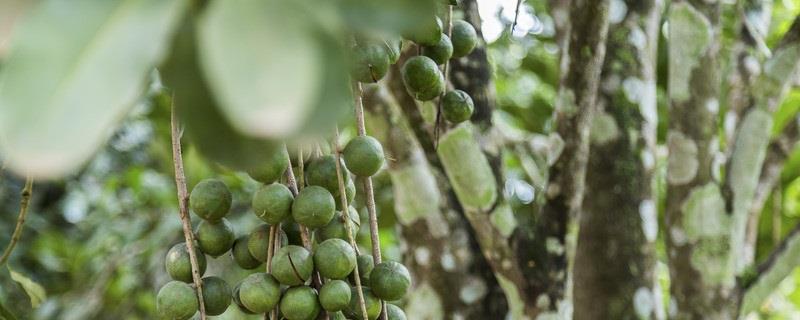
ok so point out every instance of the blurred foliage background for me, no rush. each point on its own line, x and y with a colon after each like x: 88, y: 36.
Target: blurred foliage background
x: 95, y: 241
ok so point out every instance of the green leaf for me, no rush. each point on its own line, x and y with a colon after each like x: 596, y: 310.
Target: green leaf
x: 34, y: 290
x: 206, y: 127
x: 263, y: 64
x: 74, y: 70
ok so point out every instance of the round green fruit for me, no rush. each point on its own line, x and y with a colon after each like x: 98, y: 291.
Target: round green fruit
x: 292, y: 265
x: 464, y: 38
x: 394, y: 312
x: 176, y: 300
x: 314, y: 207
x: 335, y: 259
x: 335, y: 229
x: 300, y: 303
x: 457, y: 106
x: 390, y: 280
x: 259, y: 292
x: 210, y: 199
x: 216, y: 295
x: 363, y: 156
x: 441, y: 52
x: 274, y: 168
x: 241, y: 254
x: 371, y: 63
x: 349, y: 192
x: 426, y: 34
x: 422, y: 78
x: 393, y: 49
x: 215, y: 238
x: 335, y: 295
x: 258, y: 243
x: 372, y: 303
x: 179, y: 265
x: 238, y: 301
x: 365, y: 265
x: 322, y: 172
x: 273, y: 203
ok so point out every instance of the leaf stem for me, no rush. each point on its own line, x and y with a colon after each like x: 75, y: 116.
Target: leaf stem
x: 23, y: 212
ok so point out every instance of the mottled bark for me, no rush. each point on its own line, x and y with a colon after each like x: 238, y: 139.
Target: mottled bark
x: 451, y: 281
x: 619, y: 218
x: 542, y: 252
x: 697, y: 226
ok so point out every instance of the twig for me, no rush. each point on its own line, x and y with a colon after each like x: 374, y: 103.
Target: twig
x: 183, y: 201
x: 516, y: 16
x: 23, y: 212
x: 438, y: 123
x: 373, y: 217
x: 271, y: 246
x: 346, y: 219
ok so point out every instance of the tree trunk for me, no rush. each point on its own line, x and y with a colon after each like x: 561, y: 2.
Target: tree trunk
x: 614, y: 270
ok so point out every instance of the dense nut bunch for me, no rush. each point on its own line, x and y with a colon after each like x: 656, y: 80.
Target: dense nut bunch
x: 314, y: 230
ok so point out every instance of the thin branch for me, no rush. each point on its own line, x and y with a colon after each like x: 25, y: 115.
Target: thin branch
x: 438, y: 123
x: 373, y: 216
x: 183, y: 206
x: 23, y: 212
x: 780, y: 264
x: 346, y: 220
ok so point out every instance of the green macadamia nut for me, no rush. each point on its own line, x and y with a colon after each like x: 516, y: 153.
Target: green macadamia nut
x: 238, y: 301
x: 258, y: 243
x: 371, y: 62
x: 272, y: 203
x: 292, y: 265
x: 335, y: 259
x: 210, y: 199
x: 336, y: 228
x: 216, y: 295
x: 179, y: 265
x: 457, y: 106
x: 241, y: 254
x: 393, y: 49
x: 422, y: 78
x: 321, y: 172
x: 215, y: 238
x: 464, y: 38
x: 273, y: 168
x: 363, y: 156
x: 259, y: 292
x: 300, y: 303
x: 372, y: 303
x: 441, y: 52
x: 176, y: 300
x: 394, y: 312
x: 390, y: 280
x: 314, y: 207
x: 426, y: 34
x: 335, y: 295
x: 365, y: 264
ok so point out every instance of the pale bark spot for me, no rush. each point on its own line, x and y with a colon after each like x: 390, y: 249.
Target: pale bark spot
x: 422, y: 255
x: 648, y: 159
x: 415, y: 191
x: 682, y: 163
x: 617, y: 11
x: 678, y: 236
x: 707, y: 228
x: 424, y: 303
x: 638, y: 38
x: 691, y: 36
x: 472, y: 290
x: 712, y: 105
x: 516, y: 306
x: 643, y: 302
x: 448, y: 261
x: 503, y: 220
x: 604, y: 129
x: 556, y: 146
x: 554, y: 246
x: 647, y: 211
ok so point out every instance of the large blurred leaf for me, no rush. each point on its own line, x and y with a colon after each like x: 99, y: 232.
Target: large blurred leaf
x: 74, y: 69
x: 207, y: 128
x: 5, y: 314
x: 34, y: 290
x: 386, y: 16
x: 263, y: 64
